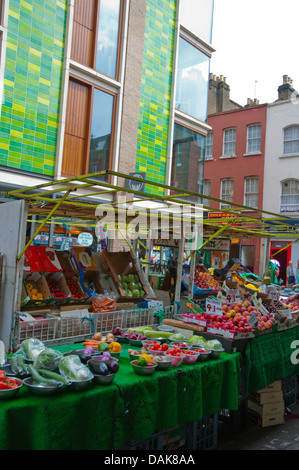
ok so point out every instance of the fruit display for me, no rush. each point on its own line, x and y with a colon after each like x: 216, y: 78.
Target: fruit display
x: 75, y: 289
x: 56, y: 290
x: 204, y: 277
x: 131, y: 285
x: 292, y: 305
x: 33, y: 291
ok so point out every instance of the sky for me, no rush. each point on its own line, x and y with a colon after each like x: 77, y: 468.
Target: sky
x: 256, y: 42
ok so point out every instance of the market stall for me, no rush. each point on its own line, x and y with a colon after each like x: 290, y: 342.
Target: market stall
x: 100, y: 303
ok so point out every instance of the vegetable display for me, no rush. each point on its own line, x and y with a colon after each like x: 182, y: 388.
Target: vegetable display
x: 47, y: 358
x: 73, y: 369
x: 103, y: 303
x: 7, y: 383
x: 32, y: 347
x: 131, y: 285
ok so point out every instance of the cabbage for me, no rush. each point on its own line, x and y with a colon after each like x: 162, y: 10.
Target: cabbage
x: 124, y: 285
x: 132, y: 286
x: 72, y: 368
x: 32, y: 347
x: 177, y: 337
x: 198, y: 340
x: 213, y: 344
x: 135, y: 293
x: 136, y: 278
x: 141, y: 293
x: 128, y: 293
x: 48, y: 359
x: 130, y: 278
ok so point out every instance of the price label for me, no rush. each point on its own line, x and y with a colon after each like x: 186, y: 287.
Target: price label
x: 233, y: 296
x: 214, y: 307
x: 272, y: 292
x: 252, y: 320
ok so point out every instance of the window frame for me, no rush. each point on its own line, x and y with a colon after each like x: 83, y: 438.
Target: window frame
x: 225, y: 205
x: 246, y: 179
x: 210, y: 135
x: 282, y: 195
x: 224, y: 143
x: 290, y: 154
x: 254, y: 152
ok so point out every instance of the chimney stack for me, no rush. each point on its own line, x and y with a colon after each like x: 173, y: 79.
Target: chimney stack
x: 285, y: 90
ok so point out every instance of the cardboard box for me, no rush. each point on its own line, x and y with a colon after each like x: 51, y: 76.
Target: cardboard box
x: 67, y: 262
x: 272, y: 387
x: 39, y: 282
x: 91, y: 282
x: 49, y: 259
x: 267, y: 397
x: 83, y: 258
x: 266, y: 421
x: 74, y: 279
x: 59, y: 279
x: 32, y: 261
x: 267, y: 409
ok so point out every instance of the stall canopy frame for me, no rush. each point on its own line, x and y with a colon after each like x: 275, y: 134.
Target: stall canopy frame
x: 78, y: 197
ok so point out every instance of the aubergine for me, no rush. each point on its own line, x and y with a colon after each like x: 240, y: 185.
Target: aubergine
x: 98, y: 367
x: 112, y: 365
x: 84, y: 357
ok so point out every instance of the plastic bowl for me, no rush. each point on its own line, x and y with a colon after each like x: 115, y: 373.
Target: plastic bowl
x: 80, y: 385
x: 163, y: 365
x: 7, y: 394
x: 122, y: 339
x: 176, y: 343
x: 203, y: 354
x: 153, y: 352
x: 134, y: 356
x: 115, y: 354
x: 147, y: 370
x: 215, y: 353
x: 39, y: 389
x: 103, y: 379
x: 176, y: 361
x: 190, y: 358
x: 135, y: 342
x: 148, y: 343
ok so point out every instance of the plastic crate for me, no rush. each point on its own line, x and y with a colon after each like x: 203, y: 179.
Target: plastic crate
x: 289, y: 390
x: 42, y: 327
x: 154, y: 442
x: 75, y: 328
x: 231, y: 421
x: 203, y: 434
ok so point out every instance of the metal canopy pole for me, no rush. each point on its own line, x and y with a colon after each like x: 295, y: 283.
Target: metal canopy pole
x: 43, y: 223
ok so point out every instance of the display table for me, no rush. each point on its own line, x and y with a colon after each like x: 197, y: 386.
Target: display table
x: 268, y: 357
x: 131, y: 408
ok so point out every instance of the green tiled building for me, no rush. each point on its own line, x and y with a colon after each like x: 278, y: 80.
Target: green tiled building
x: 118, y: 84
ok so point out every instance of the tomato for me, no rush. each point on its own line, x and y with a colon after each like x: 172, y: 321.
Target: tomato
x: 2, y: 374
x: 164, y: 347
x: 157, y: 346
x: 178, y: 354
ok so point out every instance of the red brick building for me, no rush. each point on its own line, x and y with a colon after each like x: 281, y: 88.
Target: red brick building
x: 234, y: 161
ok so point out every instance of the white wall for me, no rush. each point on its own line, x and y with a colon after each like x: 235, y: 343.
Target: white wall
x: 279, y: 115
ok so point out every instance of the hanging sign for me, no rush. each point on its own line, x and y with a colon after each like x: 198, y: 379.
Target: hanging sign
x: 85, y: 239
x: 214, y: 306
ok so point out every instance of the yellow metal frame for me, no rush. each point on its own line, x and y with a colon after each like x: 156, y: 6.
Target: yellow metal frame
x: 70, y: 202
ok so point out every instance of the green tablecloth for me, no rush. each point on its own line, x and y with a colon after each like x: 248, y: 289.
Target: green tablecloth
x: 268, y: 357
x: 133, y: 407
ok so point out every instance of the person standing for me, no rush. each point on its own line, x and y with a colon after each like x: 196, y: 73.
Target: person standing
x: 290, y: 274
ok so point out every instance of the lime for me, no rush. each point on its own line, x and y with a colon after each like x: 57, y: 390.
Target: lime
x: 141, y: 362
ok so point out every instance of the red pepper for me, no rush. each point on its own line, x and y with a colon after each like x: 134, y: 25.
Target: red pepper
x: 4, y: 385
x: 2, y: 374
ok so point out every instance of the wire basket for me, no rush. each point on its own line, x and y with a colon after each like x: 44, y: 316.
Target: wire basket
x: 43, y: 327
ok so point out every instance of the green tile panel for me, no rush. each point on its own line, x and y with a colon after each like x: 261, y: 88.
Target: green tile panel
x: 32, y: 84
x: 155, y: 96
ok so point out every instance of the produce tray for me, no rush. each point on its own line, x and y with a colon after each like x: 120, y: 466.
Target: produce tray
x: 121, y: 263
x: 230, y: 345
x: 38, y: 281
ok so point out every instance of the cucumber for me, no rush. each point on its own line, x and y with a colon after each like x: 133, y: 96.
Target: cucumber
x: 48, y: 374
x: 157, y: 334
x: 40, y: 379
x: 22, y: 365
x: 14, y: 365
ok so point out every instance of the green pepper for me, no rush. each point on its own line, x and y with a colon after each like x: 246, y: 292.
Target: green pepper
x: 103, y: 347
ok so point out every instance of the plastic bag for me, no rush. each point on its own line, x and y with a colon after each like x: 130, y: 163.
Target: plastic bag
x: 72, y: 368
x: 31, y: 348
x: 103, y: 303
x: 47, y: 359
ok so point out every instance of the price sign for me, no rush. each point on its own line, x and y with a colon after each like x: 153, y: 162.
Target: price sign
x: 233, y: 296
x: 272, y: 292
x: 85, y: 239
x: 252, y: 320
x: 214, y: 307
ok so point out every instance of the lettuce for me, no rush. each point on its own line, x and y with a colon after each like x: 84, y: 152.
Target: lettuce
x: 213, y: 344
x: 198, y: 340
x: 48, y: 359
x: 72, y: 368
x: 32, y: 347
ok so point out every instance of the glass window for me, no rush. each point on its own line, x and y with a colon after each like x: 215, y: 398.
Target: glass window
x: 207, y: 192
x: 197, y: 17
x: 291, y: 140
x: 107, y: 44
x: 101, y: 129
x: 227, y: 192
x: 254, y: 138
x: 192, y: 81
x: 188, y: 159
x: 229, y: 142
x: 251, y: 192
x: 290, y: 196
x: 209, y: 146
